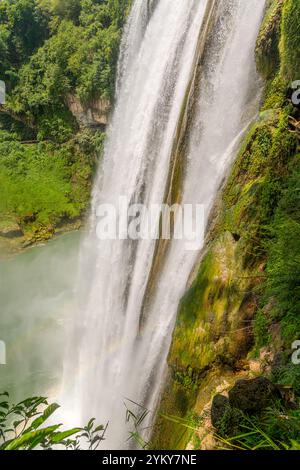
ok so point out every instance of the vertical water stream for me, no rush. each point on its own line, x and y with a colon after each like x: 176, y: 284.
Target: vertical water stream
x: 109, y: 356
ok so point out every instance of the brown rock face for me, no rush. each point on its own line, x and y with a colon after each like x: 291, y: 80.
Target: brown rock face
x: 94, y: 114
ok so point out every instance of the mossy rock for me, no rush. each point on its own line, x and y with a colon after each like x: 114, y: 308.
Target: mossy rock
x: 225, y: 419
x: 267, y: 46
x: 253, y: 395
x: 290, y: 44
x: 219, y: 406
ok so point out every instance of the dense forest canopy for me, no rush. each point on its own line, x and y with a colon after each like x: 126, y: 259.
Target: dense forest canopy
x: 51, y: 50
x: 51, y: 47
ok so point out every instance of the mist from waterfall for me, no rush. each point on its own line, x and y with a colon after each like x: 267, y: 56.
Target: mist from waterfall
x: 110, y: 357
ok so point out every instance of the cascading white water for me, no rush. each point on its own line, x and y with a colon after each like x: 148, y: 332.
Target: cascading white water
x: 109, y: 357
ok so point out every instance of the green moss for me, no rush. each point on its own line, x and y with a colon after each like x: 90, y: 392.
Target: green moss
x: 254, y: 187
x: 267, y: 46
x: 211, y: 314
x: 194, y: 298
x: 290, y: 44
x: 278, y: 40
x: 176, y: 423
x: 275, y: 94
x: 284, y: 143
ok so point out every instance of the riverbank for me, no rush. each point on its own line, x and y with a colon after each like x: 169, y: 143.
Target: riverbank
x: 16, y: 242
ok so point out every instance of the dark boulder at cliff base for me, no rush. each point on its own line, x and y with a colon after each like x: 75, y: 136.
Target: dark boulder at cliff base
x: 224, y: 418
x: 220, y: 405
x: 253, y: 395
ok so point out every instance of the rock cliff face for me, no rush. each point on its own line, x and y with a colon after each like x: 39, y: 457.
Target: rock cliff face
x: 226, y: 327
x: 91, y: 115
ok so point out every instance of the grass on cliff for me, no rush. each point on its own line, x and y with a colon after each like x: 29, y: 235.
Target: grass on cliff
x: 276, y: 430
x: 283, y: 266
x: 43, y: 184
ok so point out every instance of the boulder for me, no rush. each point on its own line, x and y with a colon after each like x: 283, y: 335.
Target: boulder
x: 219, y: 407
x: 253, y: 395
x: 224, y: 418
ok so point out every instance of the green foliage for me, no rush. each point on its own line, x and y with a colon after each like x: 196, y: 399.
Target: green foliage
x: 187, y: 379
x: 22, y: 427
x: 66, y: 9
x: 74, y: 48
x: 283, y: 266
x: 275, y: 429
x: 275, y: 94
x: 56, y: 125
x: 260, y: 329
x: 278, y: 199
x: 265, y: 210
x: 136, y: 418
x: 47, y: 77
x: 267, y: 46
x: 254, y: 188
x: 287, y: 374
x: 23, y: 28
x: 230, y: 422
x: 278, y: 41
x: 45, y: 183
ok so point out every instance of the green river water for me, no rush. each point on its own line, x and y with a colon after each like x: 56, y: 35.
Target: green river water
x: 36, y: 290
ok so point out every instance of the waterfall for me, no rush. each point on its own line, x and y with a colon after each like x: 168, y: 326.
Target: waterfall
x: 161, y: 73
